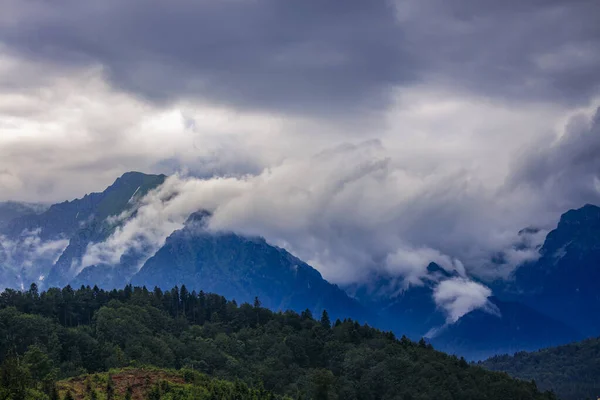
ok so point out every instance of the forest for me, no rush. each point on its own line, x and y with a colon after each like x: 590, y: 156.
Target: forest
x: 571, y: 371
x: 56, y: 335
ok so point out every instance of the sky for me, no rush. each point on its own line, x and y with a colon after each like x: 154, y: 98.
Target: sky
x: 367, y: 137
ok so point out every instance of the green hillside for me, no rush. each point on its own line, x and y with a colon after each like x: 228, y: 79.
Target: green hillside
x: 571, y: 371
x: 58, y: 334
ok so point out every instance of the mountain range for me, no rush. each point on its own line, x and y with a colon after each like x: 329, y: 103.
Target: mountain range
x: 544, y: 303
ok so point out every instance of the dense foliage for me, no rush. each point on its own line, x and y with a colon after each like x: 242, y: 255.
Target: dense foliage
x: 571, y: 371
x: 62, y: 333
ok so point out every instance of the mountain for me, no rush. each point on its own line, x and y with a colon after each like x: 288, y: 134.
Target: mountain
x: 118, y: 198
x: 66, y: 333
x: 243, y: 268
x: 571, y: 371
x: 63, y: 231
x: 239, y: 267
x: 413, y: 311
x: 546, y: 302
x: 503, y: 327
x: 500, y: 327
x: 564, y: 281
x: 408, y: 310
x: 10, y: 210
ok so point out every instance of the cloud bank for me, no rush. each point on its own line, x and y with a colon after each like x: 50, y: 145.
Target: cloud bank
x: 355, y: 213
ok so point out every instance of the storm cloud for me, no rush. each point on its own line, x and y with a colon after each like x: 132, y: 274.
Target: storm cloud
x: 317, y: 57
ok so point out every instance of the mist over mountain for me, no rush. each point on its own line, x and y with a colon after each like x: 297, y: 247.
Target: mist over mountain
x: 10, y: 210
x: 47, y: 247
x: 148, y: 230
x: 504, y: 328
x: 564, y: 281
x: 243, y: 268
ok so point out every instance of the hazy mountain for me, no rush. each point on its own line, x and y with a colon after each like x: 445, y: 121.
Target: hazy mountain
x: 409, y: 310
x: 503, y: 327
x: 243, y: 268
x: 10, y: 210
x: 46, y: 247
x: 565, y: 281
x: 500, y: 327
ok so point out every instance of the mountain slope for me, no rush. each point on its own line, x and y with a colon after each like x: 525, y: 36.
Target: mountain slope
x: 116, y: 199
x: 571, y: 371
x: 243, y: 268
x: 500, y: 327
x: 564, y: 282
x: 10, y: 210
x: 507, y: 328
x: 45, y: 246
x: 412, y: 311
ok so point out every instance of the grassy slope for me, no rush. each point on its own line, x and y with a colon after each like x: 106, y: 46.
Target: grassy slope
x: 172, y: 384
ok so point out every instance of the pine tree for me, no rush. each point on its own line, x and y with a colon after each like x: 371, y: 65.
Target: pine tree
x: 325, y: 321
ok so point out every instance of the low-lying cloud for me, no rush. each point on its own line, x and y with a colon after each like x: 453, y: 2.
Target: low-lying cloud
x: 354, y: 212
x: 460, y: 296
x: 29, y: 256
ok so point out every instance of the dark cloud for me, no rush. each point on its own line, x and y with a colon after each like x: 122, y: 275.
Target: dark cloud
x: 521, y: 50
x: 318, y: 56
x: 306, y: 56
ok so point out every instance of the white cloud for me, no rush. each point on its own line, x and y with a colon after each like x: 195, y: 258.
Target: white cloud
x: 350, y: 211
x: 158, y: 214
x: 29, y: 256
x: 411, y: 263
x: 460, y: 296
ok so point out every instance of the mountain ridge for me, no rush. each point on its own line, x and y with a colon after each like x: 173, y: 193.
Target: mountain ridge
x: 243, y: 268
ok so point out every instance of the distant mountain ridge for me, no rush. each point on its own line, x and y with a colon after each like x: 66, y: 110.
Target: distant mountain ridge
x: 116, y: 199
x: 501, y: 327
x: 565, y: 281
x: 515, y: 327
x: 10, y: 210
x: 77, y: 223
